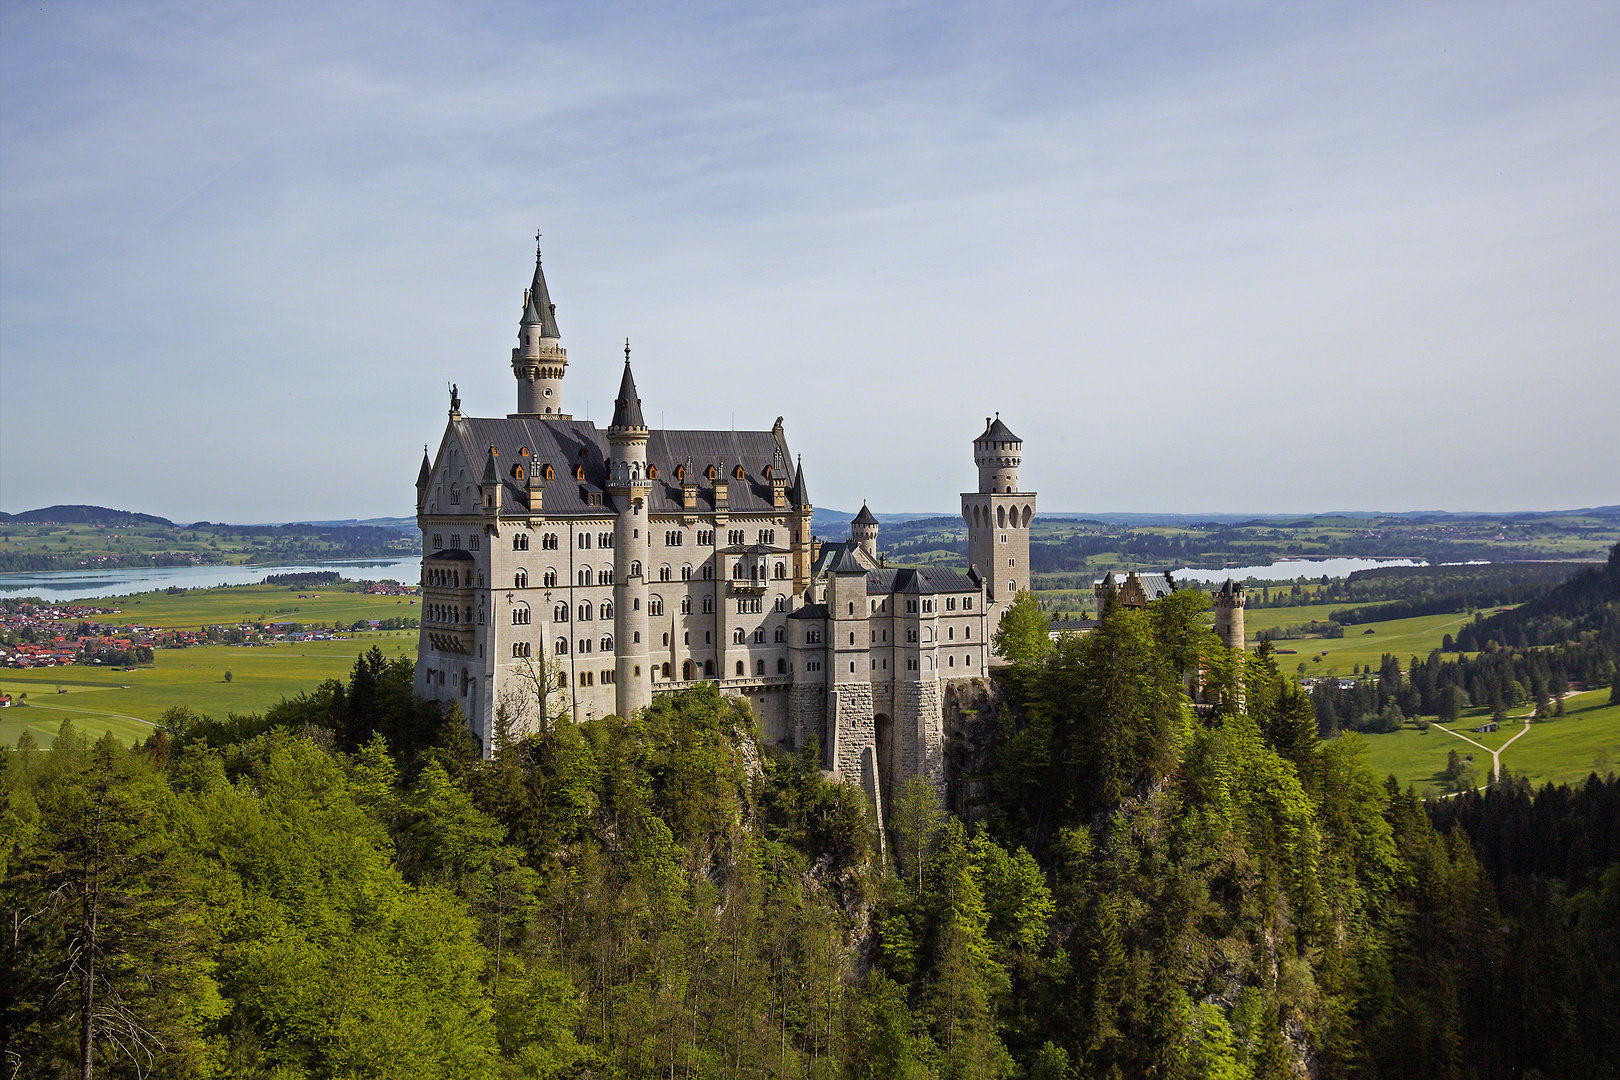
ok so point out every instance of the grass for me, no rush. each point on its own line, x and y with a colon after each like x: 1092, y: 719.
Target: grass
x: 1560, y: 751
x: 232, y: 604
x: 128, y: 702
x: 1405, y: 638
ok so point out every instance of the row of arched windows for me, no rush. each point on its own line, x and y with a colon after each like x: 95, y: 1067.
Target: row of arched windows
x: 1014, y: 517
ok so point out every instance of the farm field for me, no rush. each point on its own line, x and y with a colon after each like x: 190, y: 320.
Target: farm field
x: 127, y: 703
x: 1405, y: 638
x: 1565, y: 750
x: 234, y: 604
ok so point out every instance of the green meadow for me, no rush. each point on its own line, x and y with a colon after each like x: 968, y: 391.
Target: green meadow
x: 1405, y: 638
x: 127, y: 703
x: 231, y: 604
x: 1558, y: 751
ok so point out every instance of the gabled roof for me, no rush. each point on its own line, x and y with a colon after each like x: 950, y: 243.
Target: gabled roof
x: 627, y: 406
x: 918, y: 579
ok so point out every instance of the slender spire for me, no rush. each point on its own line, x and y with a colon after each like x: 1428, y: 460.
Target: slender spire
x: 491, y: 474
x: 800, y: 493
x: 426, y: 474
x: 537, y: 305
x: 627, y: 406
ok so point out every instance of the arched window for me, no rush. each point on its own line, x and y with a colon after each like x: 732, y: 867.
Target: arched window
x: 711, y: 472
x: 655, y: 606
x: 852, y: 608
x: 781, y: 666
x: 520, y: 615
x: 686, y: 605
x: 550, y: 578
x: 708, y: 669
x: 666, y: 639
x: 663, y: 573
x: 665, y: 670
x: 1001, y: 517
x: 759, y: 667
x: 780, y: 572
x: 759, y: 636
x: 548, y: 473
x: 520, y: 542
x: 520, y: 648
x: 585, y: 612
x: 738, y: 473
x: 686, y: 572
x: 584, y: 645
x: 585, y: 576
x: 781, y: 633
x: 737, y: 572
x: 606, y: 610
x: 607, y: 642
x: 559, y: 613
x: 561, y: 647
x: 781, y: 603
x: 738, y: 637
x: 741, y: 670
x: 520, y: 580
x: 635, y: 568
x: 686, y: 670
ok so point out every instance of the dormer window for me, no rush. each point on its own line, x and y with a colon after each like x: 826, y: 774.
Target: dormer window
x: 547, y: 473
x: 738, y: 472
x: 712, y: 473
x: 652, y: 472
x: 680, y: 472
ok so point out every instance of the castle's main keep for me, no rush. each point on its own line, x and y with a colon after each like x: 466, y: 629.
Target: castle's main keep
x: 583, y: 570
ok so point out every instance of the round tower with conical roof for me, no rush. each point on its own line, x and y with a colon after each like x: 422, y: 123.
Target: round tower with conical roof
x: 631, y: 490
x: 539, y: 361
x: 864, y: 531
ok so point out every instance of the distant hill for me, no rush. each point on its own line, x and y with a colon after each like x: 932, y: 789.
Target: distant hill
x: 403, y: 524
x: 78, y: 514
x: 1589, y: 602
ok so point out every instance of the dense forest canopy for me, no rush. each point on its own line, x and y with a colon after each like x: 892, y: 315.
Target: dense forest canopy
x: 340, y: 888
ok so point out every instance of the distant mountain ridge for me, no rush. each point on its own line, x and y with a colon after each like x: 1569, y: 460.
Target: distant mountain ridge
x: 80, y: 514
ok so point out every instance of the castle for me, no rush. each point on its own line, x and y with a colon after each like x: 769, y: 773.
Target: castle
x: 570, y: 569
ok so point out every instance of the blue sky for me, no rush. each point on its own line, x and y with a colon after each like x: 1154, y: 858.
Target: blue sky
x: 1201, y: 257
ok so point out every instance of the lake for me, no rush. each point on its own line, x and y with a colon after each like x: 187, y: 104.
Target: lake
x: 61, y: 585
x: 1292, y: 569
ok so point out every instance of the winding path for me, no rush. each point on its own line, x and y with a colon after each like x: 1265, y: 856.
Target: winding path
x: 1496, y: 755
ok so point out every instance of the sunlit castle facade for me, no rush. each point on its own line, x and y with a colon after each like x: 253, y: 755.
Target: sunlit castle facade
x: 599, y: 567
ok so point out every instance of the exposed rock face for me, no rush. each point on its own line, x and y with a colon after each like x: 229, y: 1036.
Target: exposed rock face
x: 973, y: 711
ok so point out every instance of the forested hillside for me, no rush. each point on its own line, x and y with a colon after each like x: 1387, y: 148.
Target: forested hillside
x: 338, y: 888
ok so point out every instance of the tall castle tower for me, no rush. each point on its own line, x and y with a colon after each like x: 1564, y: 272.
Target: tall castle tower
x: 539, y: 361
x: 631, y: 490
x: 998, y: 516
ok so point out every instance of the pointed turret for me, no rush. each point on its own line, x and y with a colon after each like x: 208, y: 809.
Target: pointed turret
x: 423, y: 478
x: 538, y: 310
x: 539, y: 361
x: 799, y: 495
x: 627, y: 406
x: 491, y: 485
x: 864, y: 531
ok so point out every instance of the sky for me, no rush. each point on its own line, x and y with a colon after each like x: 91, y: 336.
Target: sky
x: 1225, y: 258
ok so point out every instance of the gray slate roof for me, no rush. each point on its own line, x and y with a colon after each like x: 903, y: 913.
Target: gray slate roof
x: 918, y: 579
x: 864, y: 517
x: 565, y: 444
x: 540, y: 309
x: 997, y: 430
x: 627, y: 406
